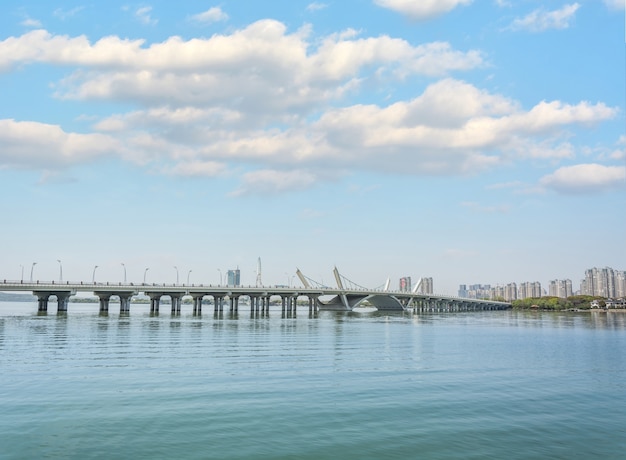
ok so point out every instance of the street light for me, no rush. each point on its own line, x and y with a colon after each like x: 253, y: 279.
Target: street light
x: 144, y: 274
x: 31, y: 271
x: 22, y: 273
x: 188, y: 273
x: 60, y: 271
x: 220, y: 276
x: 124, y: 272
x: 176, y: 268
x: 93, y: 277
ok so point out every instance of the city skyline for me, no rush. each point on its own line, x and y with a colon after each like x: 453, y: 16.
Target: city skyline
x: 457, y: 140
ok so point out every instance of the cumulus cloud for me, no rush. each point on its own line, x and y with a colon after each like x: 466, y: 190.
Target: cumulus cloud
x: 32, y: 145
x: 260, y: 69
x: 423, y: 9
x: 585, y: 178
x: 272, y: 103
x: 541, y: 19
x: 214, y: 14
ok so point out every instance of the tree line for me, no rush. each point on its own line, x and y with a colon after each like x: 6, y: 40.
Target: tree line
x: 575, y: 302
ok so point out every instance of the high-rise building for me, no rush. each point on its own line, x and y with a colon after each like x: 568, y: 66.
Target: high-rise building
x: 234, y: 277
x: 529, y: 289
x: 427, y: 286
x: 604, y: 282
x: 560, y: 288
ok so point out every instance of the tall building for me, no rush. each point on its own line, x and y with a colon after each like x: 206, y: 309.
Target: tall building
x: 560, y: 288
x: 529, y: 289
x: 604, y: 282
x: 234, y: 277
x: 427, y: 286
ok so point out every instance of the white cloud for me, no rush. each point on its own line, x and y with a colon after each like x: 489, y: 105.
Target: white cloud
x: 258, y: 99
x: 540, y: 19
x: 65, y: 14
x: 143, y: 15
x: 32, y: 23
x: 259, y: 69
x: 422, y: 9
x: 452, y: 128
x: 585, y: 178
x: 214, y: 14
x: 32, y: 145
x: 316, y: 6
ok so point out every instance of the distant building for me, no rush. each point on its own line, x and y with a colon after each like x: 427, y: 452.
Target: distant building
x: 234, y: 278
x: 560, y: 288
x: 604, y: 282
x: 475, y: 291
x: 427, y: 286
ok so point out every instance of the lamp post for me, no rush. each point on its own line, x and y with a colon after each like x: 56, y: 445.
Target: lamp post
x: 60, y: 271
x: 22, y: 279
x: 287, y: 275
x: 188, y: 273
x: 32, y: 267
x: 144, y: 274
x: 93, y: 277
x: 124, y: 272
x: 176, y: 268
x: 220, y: 276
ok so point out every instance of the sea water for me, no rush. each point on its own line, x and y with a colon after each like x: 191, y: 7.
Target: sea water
x: 365, y: 385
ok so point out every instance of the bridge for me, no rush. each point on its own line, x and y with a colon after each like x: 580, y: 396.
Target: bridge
x: 346, y: 296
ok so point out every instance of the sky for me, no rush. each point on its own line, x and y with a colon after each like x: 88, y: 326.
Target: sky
x: 471, y: 141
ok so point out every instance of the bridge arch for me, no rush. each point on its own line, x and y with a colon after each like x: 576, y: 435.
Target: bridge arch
x: 348, y: 302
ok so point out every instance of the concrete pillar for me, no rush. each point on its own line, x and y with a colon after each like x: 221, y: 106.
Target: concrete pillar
x: 155, y: 300
x: 197, y: 305
x: 125, y: 303
x: 63, y: 298
x: 176, y: 301
x: 104, y: 302
x: 42, y: 301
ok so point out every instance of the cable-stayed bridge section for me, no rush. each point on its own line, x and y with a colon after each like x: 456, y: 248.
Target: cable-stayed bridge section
x: 346, y: 296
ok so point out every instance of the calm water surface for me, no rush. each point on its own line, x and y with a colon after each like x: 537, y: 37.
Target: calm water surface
x: 359, y: 385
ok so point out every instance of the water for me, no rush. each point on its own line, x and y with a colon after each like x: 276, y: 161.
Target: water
x: 360, y: 385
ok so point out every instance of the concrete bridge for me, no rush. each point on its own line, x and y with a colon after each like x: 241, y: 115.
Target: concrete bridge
x: 340, y: 298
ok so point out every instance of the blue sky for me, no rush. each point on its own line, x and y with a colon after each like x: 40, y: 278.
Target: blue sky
x: 468, y: 141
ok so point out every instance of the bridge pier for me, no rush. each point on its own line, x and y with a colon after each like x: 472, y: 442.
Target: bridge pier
x: 218, y: 304
x: 125, y: 299
x: 43, y: 297
x: 197, y: 304
x: 176, y: 302
x: 42, y: 302
x: 155, y: 301
x: 104, y: 302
